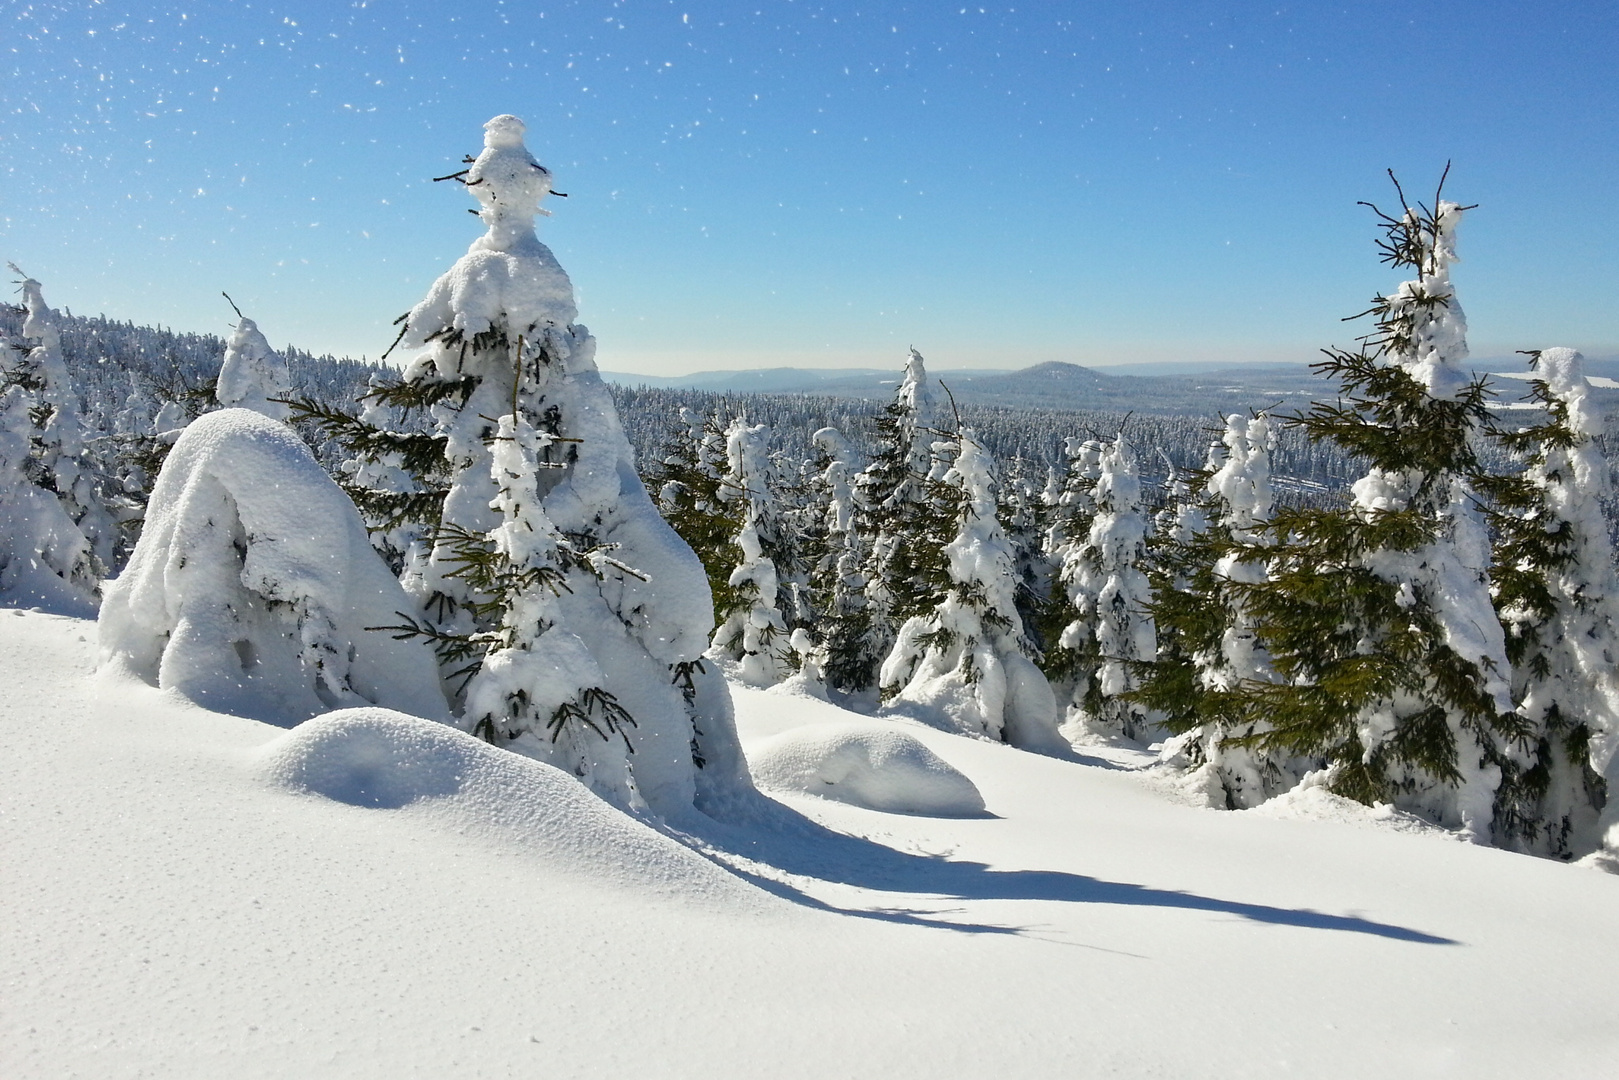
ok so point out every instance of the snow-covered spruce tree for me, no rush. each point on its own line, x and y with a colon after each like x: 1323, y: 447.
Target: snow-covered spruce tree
x: 1071, y: 506
x: 1558, y: 599
x: 58, y: 432
x: 1105, y: 593
x: 904, y: 570
x: 1023, y: 515
x: 252, y: 375
x: 499, y: 340
x: 753, y: 632
x: 689, y: 480
x: 1209, y: 656
x: 1377, y: 618
x: 845, y: 653
x: 44, y: 557
x: 396, y: 500
x: 965, y: 665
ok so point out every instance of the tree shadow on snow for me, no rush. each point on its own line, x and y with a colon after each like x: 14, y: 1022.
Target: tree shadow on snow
x: 771, y: 836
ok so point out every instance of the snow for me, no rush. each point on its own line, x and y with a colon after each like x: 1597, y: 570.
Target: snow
x: 869, y: 763
x: 173, y: 907
x: 252, y: 375
x: 253, y: 587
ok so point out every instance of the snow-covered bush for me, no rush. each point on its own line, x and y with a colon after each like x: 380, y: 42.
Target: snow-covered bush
x: 966, y: 664
x: 253, y: 585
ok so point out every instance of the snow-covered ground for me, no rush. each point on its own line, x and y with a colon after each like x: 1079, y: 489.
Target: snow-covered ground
x: 176, y: 901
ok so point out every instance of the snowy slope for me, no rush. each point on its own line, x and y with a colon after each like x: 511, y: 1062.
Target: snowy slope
x: 172, y: 904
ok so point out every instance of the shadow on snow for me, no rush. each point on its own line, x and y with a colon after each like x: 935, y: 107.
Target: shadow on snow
x: 767, y: 836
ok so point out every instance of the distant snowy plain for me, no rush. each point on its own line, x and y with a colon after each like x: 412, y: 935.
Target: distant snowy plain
x: 189, y: 894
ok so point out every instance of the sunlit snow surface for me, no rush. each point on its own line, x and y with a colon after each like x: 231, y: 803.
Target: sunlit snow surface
x: 189, y: 894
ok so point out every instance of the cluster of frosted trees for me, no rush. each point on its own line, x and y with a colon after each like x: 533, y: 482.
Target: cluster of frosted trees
x: 479, y: 551
x: 473, y: 544
x: 1446, y: 642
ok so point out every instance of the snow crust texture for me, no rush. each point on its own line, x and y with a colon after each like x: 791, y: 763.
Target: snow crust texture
x: 876, y: 766
x: 253, y: 585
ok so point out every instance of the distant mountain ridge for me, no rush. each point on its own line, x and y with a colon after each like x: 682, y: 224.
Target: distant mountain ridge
x: 1059, y: 385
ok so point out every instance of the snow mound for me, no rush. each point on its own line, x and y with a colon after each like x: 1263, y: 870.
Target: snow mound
x: 377, y: 758
x: 254, y: 589
x: 1312, y: 801
x: 865, y: 764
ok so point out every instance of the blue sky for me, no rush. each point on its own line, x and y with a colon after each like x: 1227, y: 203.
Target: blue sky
x: 822, y: 183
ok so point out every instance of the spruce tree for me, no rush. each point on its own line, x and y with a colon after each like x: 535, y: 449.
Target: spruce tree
x: 1377, y: 617
x: 1558, y: 599
x: 898, y: 510
x: 845, y: 653
x: 59, y: 462
x: 252, y: 375
x: 753, y: 632
x: 1105, y: 596
x: 541, y: 531
x: 1209, y: 654
x: 966, y: 661
x: 689, y: 481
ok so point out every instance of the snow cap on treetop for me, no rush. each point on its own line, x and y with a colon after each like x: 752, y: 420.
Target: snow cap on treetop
x: 509, y: 184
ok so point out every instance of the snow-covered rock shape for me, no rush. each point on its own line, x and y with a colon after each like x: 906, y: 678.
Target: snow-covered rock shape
x: 966, y: 666
x: 253, y: 585
x: 873, y: 765
x: 500, y: 341
x: 253, y: 373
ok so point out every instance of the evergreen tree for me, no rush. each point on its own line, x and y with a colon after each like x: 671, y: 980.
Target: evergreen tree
x: 525, y: 438
x: 1071, y: 506
x: 1105, y: 595
x: 1023, y: 516
x: 252, y: 375
x: 845, y: 653
x: 897, y: 511
x: 1209, y: 655
x: 967, y: 660
x: 1558, y: 599
x: 753, y: 632
x: 1377, y: 618
x: 689, y: 480
x: 58, y: 435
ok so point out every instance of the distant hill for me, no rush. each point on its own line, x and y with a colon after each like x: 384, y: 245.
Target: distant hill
x: 1055, y: 385
x: 1051, y: 385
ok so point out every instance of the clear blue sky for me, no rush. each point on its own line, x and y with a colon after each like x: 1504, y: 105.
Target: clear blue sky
x: 822, y: 183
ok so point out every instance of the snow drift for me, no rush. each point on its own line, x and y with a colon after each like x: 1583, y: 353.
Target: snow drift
x: 869, y: 765
x: 384, y: 760
x: 253, y: 585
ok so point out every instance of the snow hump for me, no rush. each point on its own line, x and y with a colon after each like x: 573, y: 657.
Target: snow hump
x: 253, y: 584
x: 866, y: 764
x: 379, y: 759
